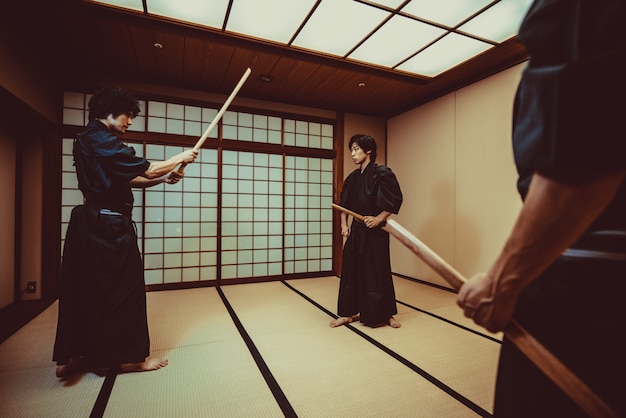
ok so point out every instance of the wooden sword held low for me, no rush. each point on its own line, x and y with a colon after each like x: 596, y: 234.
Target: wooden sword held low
x: 552, y: 367
x: 219, y: 115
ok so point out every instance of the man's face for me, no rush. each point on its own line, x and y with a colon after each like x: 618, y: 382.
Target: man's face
x: 120, y: 123
x: 359, y: 156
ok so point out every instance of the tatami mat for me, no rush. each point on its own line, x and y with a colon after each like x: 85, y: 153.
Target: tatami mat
x: 328, y: 372
x: 211, y: 372
x: 464, y: 361
x: 28, y: 385
x: 320, y: 371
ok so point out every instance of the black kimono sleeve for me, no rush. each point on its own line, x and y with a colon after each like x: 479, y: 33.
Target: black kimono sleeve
x: 389, y: 195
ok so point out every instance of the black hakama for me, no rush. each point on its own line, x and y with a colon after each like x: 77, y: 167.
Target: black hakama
x: 102, y: 300
x: 366, y: 285
x: 102, y: 311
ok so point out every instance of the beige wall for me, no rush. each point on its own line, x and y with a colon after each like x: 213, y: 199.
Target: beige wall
x: 454, y: 161
x: 7, y: 218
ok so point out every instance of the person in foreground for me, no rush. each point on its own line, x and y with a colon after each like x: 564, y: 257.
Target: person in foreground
x: 102, y: 301
x: 562, y: 272
x: 366, y: 291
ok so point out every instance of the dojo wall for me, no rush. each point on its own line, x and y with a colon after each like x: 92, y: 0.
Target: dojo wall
x: 454, y: 161
x: 30, y: 100
x: 7, y: 219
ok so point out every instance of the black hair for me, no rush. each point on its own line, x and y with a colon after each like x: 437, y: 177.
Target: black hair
x: 112, y: 101
x: 366, y: 143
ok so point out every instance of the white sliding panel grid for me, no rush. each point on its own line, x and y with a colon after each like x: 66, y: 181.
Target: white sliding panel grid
x: 271, y: 225
x: 75, y: 111
x: 70, y: 194
x: 181, y: 221
x: 308, y: 214
x: 252, y: 224
x: 308, y: 134
x: 178, y: 119
x: 240, y: 126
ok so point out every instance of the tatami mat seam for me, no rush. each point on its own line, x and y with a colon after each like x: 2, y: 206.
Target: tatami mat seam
x: 454, y: 394
x: 284, y: 404
x: 424, y: 282
x: 456, y: 324
x: 275, y: 388
x: 104, y: 394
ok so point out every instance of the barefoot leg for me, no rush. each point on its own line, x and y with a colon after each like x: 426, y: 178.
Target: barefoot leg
x: 150, y: 364
x: 74, y: 365
x: 342, y: 320
x: 63, y: 370
x: 393, y: 323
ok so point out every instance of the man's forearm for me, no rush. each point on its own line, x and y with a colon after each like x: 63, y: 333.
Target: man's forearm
x: 142, y: 182
x: 161, y: 168
x: 553, y: 217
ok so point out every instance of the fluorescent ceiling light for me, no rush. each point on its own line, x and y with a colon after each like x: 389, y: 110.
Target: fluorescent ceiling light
x: 274, y: 20
x: 451, y: 50
x: 447, y: 12
x: 378, y: 32
x: 414, y: 34
x: 338, y: 25
x: 499, y: 22
x: 392, y: 4
x: 207, y: 13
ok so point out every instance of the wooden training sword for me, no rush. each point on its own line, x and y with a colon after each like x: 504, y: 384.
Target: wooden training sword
x: 219, y: 115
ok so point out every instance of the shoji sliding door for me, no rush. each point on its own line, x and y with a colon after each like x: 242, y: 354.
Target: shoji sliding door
x: 256, y: 205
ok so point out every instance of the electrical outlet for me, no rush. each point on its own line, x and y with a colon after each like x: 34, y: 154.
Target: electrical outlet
x: 31, y: 287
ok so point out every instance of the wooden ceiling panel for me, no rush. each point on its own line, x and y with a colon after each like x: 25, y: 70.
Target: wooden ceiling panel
x: 116, y: 43
x: 165, y: 63
x: 97, y: 47
x: 288, y: 75
x: 323, y: 85
x: 206, y: 62
x: 113, y: 40
x: 261, y: 64
x: 258, y: 63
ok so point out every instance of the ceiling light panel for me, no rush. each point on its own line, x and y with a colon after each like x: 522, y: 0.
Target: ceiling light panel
x: 500, y: 22
x: 446, y: 12
x: 274, y: 20
x: 398, y: 39
x: 392, y: 4
x: 443, y: 55
x: 202, y: 12
x: 337, y: 26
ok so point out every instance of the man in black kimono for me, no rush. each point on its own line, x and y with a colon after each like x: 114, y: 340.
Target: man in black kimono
x: 366, y: 289
x: 562, y: 272
x: 102, y: 302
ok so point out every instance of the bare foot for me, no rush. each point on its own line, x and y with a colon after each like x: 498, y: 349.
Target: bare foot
x: 75, y: 365
x: 63, y: 370
x: 151, y: 363
x: 342, y: 320
x: 393, y: 323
